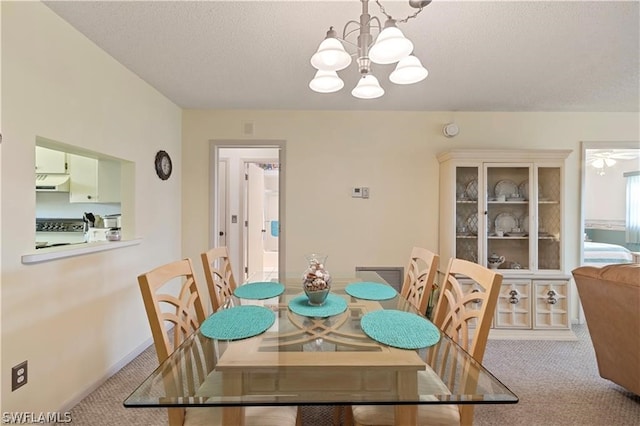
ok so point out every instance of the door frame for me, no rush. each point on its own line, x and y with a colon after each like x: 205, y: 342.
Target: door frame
x: 214, y: 146
x: 226, y: 202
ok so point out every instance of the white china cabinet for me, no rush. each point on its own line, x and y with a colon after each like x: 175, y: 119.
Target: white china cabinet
x: 503, y: 209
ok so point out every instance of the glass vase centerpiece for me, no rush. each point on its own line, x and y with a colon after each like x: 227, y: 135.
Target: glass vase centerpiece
x: 316, y: 281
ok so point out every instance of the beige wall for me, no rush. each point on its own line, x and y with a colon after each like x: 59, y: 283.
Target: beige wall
x: 394, y: 154
x: 75, y: 319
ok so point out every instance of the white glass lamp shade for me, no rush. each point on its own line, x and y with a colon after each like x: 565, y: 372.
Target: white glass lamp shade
x: 368, y: 88
x: 331, y: 56
x: 610, y: 162
x: 408, y: 71
x: 326, y: 82
x: 390, y: 46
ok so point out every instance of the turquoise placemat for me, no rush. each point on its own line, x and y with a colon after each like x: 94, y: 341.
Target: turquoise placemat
x: 238, y: 322
x: 333, y: 305
x: 371, y: 291
x: 259, y: 290
x: 400, y: 329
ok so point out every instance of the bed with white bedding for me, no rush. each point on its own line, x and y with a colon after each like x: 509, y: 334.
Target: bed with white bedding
x: 601, y: 254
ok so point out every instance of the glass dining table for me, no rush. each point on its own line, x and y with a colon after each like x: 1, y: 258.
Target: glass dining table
x: 323, y: 356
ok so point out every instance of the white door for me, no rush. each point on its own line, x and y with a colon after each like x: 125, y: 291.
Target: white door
x: 255, y: 220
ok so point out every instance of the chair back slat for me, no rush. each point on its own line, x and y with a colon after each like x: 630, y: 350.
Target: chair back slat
x: 219, y: 275
x: 420, y: 277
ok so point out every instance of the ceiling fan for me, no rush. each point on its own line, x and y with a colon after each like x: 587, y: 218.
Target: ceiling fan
x: 602, y: 158
x: 609, y: 157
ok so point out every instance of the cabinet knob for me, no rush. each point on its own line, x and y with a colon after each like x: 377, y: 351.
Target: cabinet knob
x: 514, y: 297
x: 552, y: 299
x: 89, y: 197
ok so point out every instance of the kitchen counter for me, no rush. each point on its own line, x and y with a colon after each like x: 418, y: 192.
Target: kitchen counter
x: 71, y: 250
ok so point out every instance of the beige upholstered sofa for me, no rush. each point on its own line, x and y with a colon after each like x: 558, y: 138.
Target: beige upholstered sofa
x: 610, y: 298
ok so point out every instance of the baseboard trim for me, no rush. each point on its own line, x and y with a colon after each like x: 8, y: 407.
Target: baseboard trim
x: 69, y: 404
x: 504, y: 334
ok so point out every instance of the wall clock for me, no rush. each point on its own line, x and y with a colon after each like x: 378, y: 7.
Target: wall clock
x: 163, y: 165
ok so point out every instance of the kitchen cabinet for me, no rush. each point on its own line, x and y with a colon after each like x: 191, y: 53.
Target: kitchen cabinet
x: 93, y: 180
x: 509, y: 204
x: 50, y: 161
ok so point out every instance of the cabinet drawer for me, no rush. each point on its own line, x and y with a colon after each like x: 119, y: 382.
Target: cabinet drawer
x: 513, y: 309
x: 551, y: 304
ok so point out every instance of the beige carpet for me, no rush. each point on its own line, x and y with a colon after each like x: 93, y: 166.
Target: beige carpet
x: 557, y: 383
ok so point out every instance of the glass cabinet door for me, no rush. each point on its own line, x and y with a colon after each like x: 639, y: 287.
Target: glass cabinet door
x: 507, y: 216
x: 549, y: 218
x: 467, y: 223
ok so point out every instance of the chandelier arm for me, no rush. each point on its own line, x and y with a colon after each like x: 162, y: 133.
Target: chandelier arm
x: 384, y: 12
x: 346, y: 34
x: 375, y: 18
x: 404, y: 21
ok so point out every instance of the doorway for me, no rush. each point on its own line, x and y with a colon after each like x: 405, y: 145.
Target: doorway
x: 603, y: 165
x: 246, y: 207
x: 603, y: 168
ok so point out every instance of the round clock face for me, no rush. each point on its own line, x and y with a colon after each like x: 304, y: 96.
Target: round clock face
x: 163, y: 165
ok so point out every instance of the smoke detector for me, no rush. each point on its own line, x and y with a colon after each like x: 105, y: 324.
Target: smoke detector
x: 450, y: 130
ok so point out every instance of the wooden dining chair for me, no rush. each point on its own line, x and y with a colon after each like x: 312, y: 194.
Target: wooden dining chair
x: 420, y: 278
x: 418, y: 283
x: 184, y: 313
x: 467, y: 301
x: 219, y: 275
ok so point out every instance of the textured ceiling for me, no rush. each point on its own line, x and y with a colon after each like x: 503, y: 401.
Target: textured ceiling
x: 481, y: 56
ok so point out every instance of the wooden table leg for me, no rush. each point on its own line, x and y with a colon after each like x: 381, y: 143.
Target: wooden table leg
x: 407, y: 387
x: 233, y: 416
x: 232, y: 385
x: 406, y: 415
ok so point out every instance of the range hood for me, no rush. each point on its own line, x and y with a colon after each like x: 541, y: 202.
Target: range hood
x: 52, y: 183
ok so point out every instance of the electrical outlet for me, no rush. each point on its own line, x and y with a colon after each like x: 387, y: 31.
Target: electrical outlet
x: 18, y: 375
x: 365, y: 192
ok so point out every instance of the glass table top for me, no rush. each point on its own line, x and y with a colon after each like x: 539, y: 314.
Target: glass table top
x: 317, y: 360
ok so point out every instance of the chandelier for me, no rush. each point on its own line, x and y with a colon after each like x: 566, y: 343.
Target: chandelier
x: 390, y: 47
